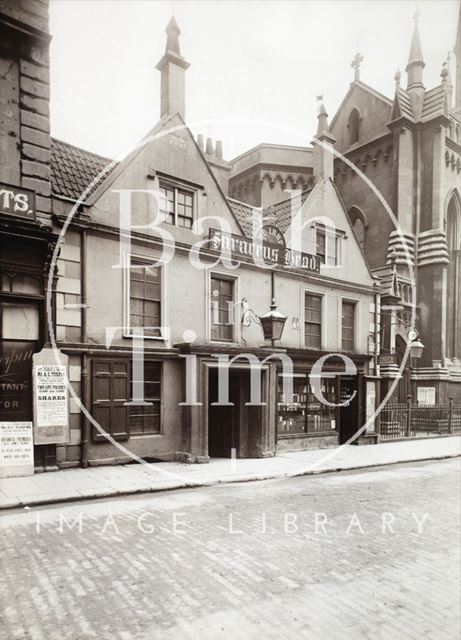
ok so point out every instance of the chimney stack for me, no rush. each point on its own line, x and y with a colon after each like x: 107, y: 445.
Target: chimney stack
x: 173, y: 67
x: 218, y: 150
x: 200, y: 143
x: 209, y: 147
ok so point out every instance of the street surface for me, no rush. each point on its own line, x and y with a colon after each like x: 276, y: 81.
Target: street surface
x: 354, y: 555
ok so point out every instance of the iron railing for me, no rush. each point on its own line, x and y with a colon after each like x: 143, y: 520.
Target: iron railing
x: 407, y: 420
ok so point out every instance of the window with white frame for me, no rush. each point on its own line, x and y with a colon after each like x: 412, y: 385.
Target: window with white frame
x: 328, y: 246
x: 313, y: 321
x: 221, y: 308
x: 144, y: 419
x: 145, y: 297
x: 348, y: 326
x: 177, y: 205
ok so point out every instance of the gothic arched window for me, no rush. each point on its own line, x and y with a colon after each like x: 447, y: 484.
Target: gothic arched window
x: 358, y: 222
x: 354, y: 125
x: 453, y: 230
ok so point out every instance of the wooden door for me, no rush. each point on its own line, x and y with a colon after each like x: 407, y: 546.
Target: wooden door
x: 111, y: 392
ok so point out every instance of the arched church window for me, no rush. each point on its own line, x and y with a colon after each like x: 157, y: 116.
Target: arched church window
x: 357, y: 220
x: 354, y: 125
x: 453, y: 231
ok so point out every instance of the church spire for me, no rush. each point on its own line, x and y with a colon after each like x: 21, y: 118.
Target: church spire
x: 415, y: 64
x: 457, y: 52
x: 173, y: 74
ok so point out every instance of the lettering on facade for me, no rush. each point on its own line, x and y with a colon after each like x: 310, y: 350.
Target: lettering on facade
x: 15, y: 371
x: 272, y: 252
x: 16, y: 201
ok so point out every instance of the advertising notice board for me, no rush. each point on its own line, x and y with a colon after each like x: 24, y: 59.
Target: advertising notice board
x: 51, y: 401
x: 16, y: 449
x: 426, y: 396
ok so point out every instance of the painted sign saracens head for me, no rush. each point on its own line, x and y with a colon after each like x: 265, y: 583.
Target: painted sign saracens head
x: 270, y: 248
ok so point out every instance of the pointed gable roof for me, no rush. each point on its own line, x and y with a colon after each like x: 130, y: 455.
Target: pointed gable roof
x: 364, y: 87
x: 435, y: 104
x: 401, y: 107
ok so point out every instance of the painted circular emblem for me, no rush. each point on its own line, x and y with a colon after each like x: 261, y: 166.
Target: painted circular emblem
x: 273, y: 235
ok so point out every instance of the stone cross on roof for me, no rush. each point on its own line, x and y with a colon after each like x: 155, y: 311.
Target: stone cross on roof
x: 355, y: 64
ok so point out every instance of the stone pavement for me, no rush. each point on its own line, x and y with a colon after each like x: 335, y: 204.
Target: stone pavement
x: 243, y: 561
x: 100, y: 482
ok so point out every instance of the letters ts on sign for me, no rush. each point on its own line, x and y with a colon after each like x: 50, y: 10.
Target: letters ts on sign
x: 16, y: 201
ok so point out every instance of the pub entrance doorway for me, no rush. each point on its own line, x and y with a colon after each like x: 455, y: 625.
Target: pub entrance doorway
x: 349, y: 412
x: 236, y: 429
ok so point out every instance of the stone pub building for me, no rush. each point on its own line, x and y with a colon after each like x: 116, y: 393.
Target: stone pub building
x: 316, y: 296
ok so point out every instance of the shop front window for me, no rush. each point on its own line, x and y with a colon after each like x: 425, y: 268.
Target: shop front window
x: 304, y: 413
x: 19, y: 336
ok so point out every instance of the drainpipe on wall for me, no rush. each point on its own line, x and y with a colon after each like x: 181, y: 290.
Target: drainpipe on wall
x: 84, y: 395
x: 377, y: 331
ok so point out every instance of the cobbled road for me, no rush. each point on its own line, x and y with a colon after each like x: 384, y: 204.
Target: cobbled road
x: 358, y: 555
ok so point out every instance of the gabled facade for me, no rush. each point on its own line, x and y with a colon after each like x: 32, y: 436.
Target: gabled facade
x: 197, y: 315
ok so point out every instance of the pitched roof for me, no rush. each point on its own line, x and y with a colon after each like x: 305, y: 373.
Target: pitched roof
x: 244, y: 214
x: 388, y: 279
x: 73, y: 169
x: 435, y: 104
x: 279, y: 214
x: 402, y: 105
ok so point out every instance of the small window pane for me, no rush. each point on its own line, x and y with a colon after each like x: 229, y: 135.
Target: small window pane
x: 19, y: 321
x: 28, y: 284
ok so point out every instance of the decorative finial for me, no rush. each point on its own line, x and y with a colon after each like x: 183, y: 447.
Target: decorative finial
x: 397, y: 77
x: 172, y: 32
x: 322, y: 117
x: 444, y: 73
x: 355, y: 64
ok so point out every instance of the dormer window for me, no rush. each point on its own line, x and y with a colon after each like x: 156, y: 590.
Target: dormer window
x: 354, y: 126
